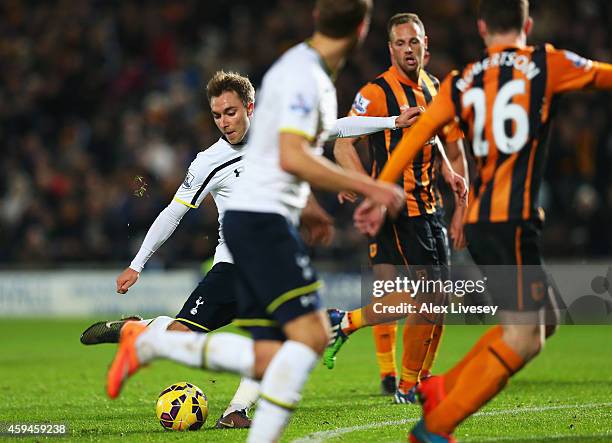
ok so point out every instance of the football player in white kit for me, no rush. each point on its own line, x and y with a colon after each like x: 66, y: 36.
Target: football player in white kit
x: 277, y: 295
x: 217, y: 170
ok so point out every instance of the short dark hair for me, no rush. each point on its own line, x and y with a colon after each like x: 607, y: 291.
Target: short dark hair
x: 223, y: 81
x: 401, y: 18
x: 340, y: 18
x: 503, y: 15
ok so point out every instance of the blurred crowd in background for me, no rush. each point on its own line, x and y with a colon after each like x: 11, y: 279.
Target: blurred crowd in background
x: 102, y: 110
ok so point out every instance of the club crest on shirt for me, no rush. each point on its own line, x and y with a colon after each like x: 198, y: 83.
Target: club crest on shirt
x: 360, y: 104
x: 578, y: 61
x: 300, y: 105
x: 188, y: 180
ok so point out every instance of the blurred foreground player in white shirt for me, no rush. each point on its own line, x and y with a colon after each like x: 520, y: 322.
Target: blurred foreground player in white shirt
x: 278, y: 302
x: 216, y: 171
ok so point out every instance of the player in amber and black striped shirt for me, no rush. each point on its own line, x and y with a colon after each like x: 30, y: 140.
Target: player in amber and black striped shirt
x: 417, y: 238
x: 504, y: 103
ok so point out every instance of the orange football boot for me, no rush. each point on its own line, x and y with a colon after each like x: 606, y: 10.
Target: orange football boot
x: 431, y: 392
x: 126, y: 361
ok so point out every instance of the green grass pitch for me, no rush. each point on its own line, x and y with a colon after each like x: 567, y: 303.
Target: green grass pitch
x: 48, y: 376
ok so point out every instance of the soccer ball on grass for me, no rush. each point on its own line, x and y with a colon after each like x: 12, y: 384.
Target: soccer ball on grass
x: 182, y: 407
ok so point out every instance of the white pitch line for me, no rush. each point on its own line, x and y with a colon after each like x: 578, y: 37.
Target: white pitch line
x: 533, y: 438
x: 321, y: 436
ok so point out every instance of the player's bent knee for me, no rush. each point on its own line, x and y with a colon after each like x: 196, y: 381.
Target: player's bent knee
x: 265, y: 350
x: 316, y: 338
x: 311, y: 329
x: 320, y: 339
x: 177, y: 326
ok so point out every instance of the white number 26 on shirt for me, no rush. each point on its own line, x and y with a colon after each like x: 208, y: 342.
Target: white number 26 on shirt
x: 503, y: 110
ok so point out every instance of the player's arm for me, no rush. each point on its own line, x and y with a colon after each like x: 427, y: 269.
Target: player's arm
x: 440, y: 112
x: 368, y: 115
x: 456, y: 163
x: 569, y: 71
x: 316, y: 224
x: 297, y: 158
x: 354, y: 127
x: 350, y: 130
x: 603, y: 75
x: 189, y: 195
x: 370, y: 101
x: 298, y: 123
x: 454, y: 149
x: 345, y: 153
x: 368, y: 218
x: 161, y: 229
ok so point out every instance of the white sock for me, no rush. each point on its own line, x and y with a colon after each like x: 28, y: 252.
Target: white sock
x: 281, y: 389
x: 246, y: 395
x: 218, y: 352
x: 159, y: 323
x: 182, y: 347
x: 229, y: 353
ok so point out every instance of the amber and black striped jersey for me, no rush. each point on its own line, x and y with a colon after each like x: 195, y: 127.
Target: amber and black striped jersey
x: 384, y: 97
x: 503, y: 102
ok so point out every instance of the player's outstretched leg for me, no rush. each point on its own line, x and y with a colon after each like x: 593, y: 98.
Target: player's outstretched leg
x: 105, y: 331
x: 431, y: 391
x: 492, y: 366
x: 343, y: 323
x: 126, y: 361
x: 139, y: 345
x: 235, y: 416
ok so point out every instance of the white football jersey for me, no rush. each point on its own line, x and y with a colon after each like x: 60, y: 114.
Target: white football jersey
x: 297, y: 95
x: 216, y: 171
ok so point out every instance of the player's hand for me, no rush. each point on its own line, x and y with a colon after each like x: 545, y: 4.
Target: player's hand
x: 388, y: 195
x: 458, y: 184
x: 126, y: 279
x: 316, y: 225
x: 455, y: 229
x: 369, y: 217
x: 408, y: 116
x: 347, y: 196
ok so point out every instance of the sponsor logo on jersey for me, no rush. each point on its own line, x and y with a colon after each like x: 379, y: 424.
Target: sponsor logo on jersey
x: 300, y: 105
x: 578, y: 61
x: 360, y: 105
x: 188, y: 180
